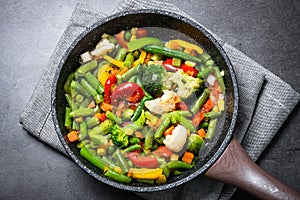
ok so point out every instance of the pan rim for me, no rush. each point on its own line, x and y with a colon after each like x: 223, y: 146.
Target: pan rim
x: 176, y: 183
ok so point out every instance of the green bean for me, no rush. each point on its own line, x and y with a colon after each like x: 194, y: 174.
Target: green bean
x: 200, y: 101
x: 79, y: 88
x: 90, y: 89
x: 110, y: 162
x: 209, y: 63
x: 176, y: 172
x: 134, y: 140
x: 132, y: 148
x: 132, y: 79
x: 113, y: 117
x: 166, y: 170
x: 133, y: 71
x: 99, y: 139
x: 121, y: 161
x: 75, y: 125
x: 162, y: 127
x: 176, y: 164
x: 148, y: 139
x: 147, y: 181
x: 94, y: 82
x: 127, y: 35
x: 129, y: 60
x: 117, y: 176
x: 79, y: 98
x: 93, y: 121
x: 82, y: 143
x: 84, y: 103
x: 186, y: 123
x: 121, y: 54
x: 171, y: 53
x: 140, y: 107
x: 203, y: 125
x: 205, y: 72
x: 70, y: 102
x: 204, y: 56
x: 95, y: 160
x: 219, y: 78
x: 82, y: 112
x: 142, y: 42
x: 68, y: 119
x: 82, y: 130
x: 67, y: 85
x: 211, y: 129
x: 127, y: 114
x: 87, y: 67
x: 213, y: 114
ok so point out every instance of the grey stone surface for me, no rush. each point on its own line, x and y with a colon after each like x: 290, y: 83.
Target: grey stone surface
x: 267, y: 31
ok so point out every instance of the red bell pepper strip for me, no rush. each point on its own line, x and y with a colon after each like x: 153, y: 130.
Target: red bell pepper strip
x: 208, y: 105
x: 142, y: 161
x: 121, y: 39
x: 198, y: 118
x: 112, y: 79
x: 167, y: 64
x: 132, y: 92
x: 163, y: 151
x: 189, y: 70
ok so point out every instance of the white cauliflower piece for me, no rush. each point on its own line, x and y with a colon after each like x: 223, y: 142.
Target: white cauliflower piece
x: 164, y: 104
x: 102, y: 48
x: 185, y: 84
x: 176, y: 141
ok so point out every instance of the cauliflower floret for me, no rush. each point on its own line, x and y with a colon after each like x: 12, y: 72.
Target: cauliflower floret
x: 163, y: 104
x: 102, y: 48
x: 186, y: 84
x: 176, y: 141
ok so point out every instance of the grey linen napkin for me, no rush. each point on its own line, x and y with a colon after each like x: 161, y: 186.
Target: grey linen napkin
x: 262, y: 110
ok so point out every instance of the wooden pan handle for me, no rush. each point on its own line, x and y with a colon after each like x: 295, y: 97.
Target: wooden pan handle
x: 236, y: 168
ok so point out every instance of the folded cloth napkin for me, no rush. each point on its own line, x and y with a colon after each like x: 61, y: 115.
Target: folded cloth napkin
x: 265, y: 101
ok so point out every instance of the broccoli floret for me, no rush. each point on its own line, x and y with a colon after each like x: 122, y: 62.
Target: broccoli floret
x: 119, y: 137
x: 194, y: 143
x: 152, y: 79
x: 185, y: 84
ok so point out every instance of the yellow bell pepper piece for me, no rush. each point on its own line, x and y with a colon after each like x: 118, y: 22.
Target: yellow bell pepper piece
x: 141, y: 59
x: 103, y: 73
x: 145, y: 173
x: 118, y: 63
x: 187, y: 45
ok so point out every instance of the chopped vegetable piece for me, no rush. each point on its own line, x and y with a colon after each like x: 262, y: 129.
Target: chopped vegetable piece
x: 73, y: 136
x: 139, y: 173
x: 188, y: 157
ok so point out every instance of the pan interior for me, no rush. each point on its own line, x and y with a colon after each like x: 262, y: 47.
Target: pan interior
x: 166, y: 21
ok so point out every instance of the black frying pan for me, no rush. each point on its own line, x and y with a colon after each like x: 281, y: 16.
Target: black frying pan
x: 218, y: 155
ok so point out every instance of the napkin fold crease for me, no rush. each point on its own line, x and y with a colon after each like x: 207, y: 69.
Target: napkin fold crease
x: 265, y: 101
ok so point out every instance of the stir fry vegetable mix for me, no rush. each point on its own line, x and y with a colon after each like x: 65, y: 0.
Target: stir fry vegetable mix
x: 141, y: 109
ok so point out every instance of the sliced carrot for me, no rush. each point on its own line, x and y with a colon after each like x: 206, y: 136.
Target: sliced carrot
x: 169, y: 131
x: 208, y: 105
x: 187, y: 157
x: 73, y: 136
x: 201, y: 132
x: 106, y: 106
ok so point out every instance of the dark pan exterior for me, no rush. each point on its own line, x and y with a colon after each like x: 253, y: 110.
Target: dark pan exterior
x: 147, y: 18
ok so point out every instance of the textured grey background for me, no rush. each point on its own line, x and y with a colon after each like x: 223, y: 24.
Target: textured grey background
x: 268, y: 32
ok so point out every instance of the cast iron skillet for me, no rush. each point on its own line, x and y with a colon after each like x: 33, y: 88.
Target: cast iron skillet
x: 224, y: 160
